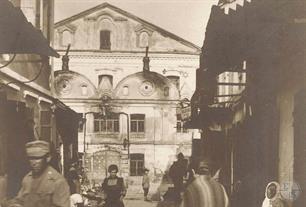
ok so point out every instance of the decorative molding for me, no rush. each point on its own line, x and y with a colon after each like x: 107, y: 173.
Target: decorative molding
x: 120, y: 19
x: 142, y: 28
x: 104, y: 13
x: 128, y: 15
x: 108, y: 69
x: 111, y: 56
x: 182, y: 73
x: 70, y: 27
x: 147, y: 88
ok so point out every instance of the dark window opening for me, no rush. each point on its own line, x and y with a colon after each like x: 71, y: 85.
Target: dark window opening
x: 81, y: 122
x: 175, y: 80
x: 108, y: 78
x: 105, y: 43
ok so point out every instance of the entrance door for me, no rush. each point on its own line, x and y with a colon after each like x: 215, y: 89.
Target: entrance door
x: 101, y: 160
x: 13, y: 136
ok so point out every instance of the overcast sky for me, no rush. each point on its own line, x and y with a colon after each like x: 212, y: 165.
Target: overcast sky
x: 185, y: 18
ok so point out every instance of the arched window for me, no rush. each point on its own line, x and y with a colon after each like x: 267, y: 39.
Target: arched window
x: 144, y: 39
x: 84, y: 90
x: 66, y: 38
x: 105, y: 40
x: 125, y: 90
x: 166, y: 91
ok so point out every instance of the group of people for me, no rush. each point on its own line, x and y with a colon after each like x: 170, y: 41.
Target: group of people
x: 204, y: 189
x: 43, y: 186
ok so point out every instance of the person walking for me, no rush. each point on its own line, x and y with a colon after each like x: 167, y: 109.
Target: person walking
x: 114, y: 188
x: 43, y: 186
x: 146, y: 184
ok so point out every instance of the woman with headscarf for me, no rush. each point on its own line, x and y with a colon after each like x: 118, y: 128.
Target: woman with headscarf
x: 113, y: 188
x: 272, y: 196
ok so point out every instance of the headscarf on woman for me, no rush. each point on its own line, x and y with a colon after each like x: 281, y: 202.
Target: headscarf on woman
x: 273, y: 196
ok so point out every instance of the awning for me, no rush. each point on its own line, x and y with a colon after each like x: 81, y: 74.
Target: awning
x: 18, y: 36
x: 67, y: 122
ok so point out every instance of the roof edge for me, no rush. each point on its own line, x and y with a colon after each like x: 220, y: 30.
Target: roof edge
x: 132, y: 16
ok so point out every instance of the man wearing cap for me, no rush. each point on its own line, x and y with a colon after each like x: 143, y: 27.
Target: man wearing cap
x: 43, y: 186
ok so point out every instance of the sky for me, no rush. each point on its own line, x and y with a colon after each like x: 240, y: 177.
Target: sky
x: 185, y: 18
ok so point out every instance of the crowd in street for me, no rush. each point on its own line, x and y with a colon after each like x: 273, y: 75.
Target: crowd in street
x: 43, y: 186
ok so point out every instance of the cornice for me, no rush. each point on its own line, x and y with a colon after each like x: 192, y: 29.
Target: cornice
x: 93, y: 54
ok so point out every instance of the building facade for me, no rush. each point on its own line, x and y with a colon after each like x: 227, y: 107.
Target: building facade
x: 124, y: 94
x: 28, y: 109
x: 257, y: 115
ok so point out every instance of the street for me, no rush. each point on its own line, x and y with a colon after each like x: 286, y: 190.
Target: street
x: 139, y: 202
x: 135, y: 198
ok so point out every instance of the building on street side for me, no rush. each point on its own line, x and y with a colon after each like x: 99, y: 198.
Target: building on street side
x: 126, y: 78
x: 28, y: 110
x: 250, y: 96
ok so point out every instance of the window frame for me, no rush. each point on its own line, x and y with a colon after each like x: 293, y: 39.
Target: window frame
x: 105, y: 43
x: 137, y: 119
x: 45, y: 124
x: 139, y: 160
x: 104, y: 123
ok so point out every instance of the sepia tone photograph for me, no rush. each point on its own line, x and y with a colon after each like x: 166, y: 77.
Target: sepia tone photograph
x: 152, y: 103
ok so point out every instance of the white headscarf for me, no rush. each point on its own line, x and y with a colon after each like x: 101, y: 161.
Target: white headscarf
x: 276, y: 200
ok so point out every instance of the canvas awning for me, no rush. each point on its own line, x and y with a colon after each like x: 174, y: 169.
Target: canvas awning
x: 18, y: 36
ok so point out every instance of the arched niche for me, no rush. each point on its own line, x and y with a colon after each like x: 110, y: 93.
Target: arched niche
x: 105, y: 24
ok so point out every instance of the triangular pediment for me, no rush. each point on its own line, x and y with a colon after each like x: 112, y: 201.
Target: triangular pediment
x: 130, y: 29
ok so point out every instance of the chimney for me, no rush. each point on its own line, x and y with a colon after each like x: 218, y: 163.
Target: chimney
x: 65, y: 60
x: 146, y: 61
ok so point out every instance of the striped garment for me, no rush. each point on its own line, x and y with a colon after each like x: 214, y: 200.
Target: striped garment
x: 204, y: 191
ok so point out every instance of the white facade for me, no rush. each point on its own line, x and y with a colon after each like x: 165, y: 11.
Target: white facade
x: 106, y: 67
